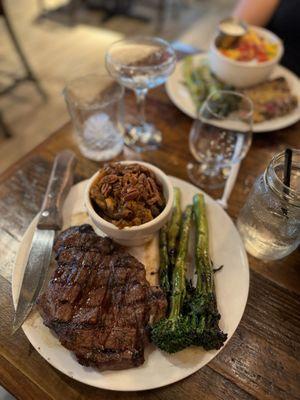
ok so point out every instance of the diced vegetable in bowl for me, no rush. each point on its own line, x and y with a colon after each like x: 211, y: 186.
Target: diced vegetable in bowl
x: 247, y: 62
x: 251, y: 47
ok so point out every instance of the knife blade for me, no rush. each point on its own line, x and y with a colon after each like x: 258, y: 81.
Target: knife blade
x: 50, y: 220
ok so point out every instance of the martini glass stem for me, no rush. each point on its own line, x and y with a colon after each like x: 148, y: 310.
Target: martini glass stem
x: 140, y: 101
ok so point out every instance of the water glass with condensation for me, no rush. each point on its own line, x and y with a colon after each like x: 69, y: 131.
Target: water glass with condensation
x: 269, y: 222
x: 95, y: 106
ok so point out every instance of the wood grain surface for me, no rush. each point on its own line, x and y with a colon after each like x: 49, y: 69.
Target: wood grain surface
x: 261, y: 361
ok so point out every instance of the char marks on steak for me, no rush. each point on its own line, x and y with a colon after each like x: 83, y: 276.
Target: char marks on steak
x: 98, y: 300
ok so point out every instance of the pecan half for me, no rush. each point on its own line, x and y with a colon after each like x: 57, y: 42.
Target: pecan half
x: 105, y: 189
x: 131, y: 194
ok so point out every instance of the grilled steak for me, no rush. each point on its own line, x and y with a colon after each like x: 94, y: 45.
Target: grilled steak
x: 98, y: 301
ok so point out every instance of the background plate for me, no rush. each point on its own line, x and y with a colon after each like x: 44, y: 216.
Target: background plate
x: 159, y: 369
x: 180, y: 96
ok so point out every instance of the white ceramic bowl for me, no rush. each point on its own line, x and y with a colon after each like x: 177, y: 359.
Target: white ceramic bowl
x: 134, y: 235
x: 242, y: 74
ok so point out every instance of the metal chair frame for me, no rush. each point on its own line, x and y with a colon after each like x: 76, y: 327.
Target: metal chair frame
x: 29, y: 75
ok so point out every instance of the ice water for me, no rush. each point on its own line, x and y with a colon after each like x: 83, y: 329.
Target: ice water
x: 269, y: 222
x: 265, y: 235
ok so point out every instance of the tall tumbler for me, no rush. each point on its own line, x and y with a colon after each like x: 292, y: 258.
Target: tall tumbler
x: 95, y: 106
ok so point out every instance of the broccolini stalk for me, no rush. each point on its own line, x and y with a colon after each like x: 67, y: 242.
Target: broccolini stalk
x: 203, y: 304
x: 173, y: 333
x: 164, y: 260
x: 178, y: 276
x: 204, y: 270
x: 174, y: 227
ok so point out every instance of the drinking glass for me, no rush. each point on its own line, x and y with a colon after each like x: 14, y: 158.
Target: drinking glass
x: 220, y: 137
x: 269, y: 222
x: 95, y: 106
x: 140, y: 64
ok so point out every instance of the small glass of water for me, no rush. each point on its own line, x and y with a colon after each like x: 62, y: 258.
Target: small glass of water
x: 269, y: 222
x: 95, y: 106
x: 220, y: 137
x: 140, y: 64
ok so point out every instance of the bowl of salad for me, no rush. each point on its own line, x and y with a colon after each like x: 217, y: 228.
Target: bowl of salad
x: 249, y: 60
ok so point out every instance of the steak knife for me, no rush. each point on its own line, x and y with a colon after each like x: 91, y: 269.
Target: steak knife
x: 50, y: 220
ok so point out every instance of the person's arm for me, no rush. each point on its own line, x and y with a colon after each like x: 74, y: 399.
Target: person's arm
x: 255, y: 12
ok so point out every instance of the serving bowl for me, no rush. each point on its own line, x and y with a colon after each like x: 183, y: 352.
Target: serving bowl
x: 242, y: 74
x: 133, y: 235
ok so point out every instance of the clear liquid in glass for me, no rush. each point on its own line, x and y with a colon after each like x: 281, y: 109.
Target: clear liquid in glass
x: 268, y: 223
x: 141, y: 66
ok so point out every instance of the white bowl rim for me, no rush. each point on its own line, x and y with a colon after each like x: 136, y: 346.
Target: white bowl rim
x: 248, y: 63
x: 145, y: 226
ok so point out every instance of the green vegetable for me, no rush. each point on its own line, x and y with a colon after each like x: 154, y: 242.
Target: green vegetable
x: 194, y: 317
x: 164, y: 260
x: 201, y: 302
x: 172, y: 334
x: 200, y: 81
x: 194, y: 81
x: 174, y: 227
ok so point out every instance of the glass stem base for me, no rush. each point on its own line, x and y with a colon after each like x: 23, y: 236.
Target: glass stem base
x: 142, y: 137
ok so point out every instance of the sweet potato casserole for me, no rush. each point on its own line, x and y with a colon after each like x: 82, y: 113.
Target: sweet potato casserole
x: 127, y: 194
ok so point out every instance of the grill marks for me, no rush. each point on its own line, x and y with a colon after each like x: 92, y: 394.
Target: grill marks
x: 98, y: 301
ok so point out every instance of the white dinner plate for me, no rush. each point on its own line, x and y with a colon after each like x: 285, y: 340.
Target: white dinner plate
x: 159, y: 369
x: 180, y: 96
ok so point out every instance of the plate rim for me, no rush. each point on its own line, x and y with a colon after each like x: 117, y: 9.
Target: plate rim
x: 65, y: 371
x: 256, y: 126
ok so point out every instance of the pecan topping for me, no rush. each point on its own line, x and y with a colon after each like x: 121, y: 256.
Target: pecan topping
x: 131, y: 194
x: 105, y: 189
x: 127, y: 195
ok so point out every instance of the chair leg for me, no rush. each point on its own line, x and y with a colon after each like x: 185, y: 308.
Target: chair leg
x: 39, y: 88
x: 162, y: 9
x: 73, y: 6
x: 42, y: 8
x: 4, y: 128
x: 24, y: 61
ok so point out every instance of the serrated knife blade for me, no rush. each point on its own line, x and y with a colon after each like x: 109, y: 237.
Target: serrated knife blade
x: 36, y: 268
x: 50, y: 220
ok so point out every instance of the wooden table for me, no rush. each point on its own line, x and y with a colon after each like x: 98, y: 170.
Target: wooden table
x: 262, y: 359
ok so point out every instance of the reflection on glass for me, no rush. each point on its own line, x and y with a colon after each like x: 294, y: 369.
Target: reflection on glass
x: 220, y: 137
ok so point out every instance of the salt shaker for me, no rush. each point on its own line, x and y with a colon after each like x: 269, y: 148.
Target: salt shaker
x: 269, y: 222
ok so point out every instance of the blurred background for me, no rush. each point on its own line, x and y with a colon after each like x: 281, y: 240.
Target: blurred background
x: 44, y: 43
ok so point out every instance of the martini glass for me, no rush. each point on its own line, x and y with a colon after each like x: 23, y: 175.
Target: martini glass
x: 140, y: 64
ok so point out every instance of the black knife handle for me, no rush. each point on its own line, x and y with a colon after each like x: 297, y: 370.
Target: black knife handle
x: 60, y: 182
